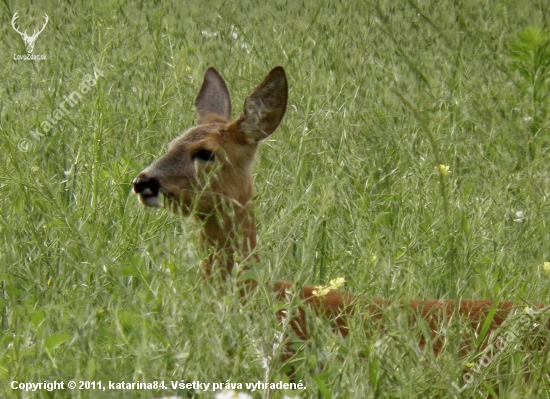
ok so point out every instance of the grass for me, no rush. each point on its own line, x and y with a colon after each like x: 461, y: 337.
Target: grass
x: 94, y: 287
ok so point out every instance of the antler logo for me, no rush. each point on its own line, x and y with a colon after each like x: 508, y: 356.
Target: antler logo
x: 29, y: 40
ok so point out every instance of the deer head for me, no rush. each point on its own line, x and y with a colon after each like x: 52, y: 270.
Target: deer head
x: 29, y: 40
x: 207, y: 171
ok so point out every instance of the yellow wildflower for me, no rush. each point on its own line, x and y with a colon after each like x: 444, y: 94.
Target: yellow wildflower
x: 321, y: 290
x: 334, y: 284
x: 444, y: 170
x: 546, y: 267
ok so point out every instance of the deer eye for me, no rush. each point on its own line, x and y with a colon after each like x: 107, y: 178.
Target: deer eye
x: 204, y: 155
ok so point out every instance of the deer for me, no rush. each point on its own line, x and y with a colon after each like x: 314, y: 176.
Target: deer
x: 206, y: 173
x: 29, y: 40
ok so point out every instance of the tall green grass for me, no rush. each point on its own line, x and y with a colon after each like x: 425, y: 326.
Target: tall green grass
x: 95, y: 287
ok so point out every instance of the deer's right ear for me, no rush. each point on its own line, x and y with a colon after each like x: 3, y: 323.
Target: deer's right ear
x: 213, y: 102
x: 265, y: 107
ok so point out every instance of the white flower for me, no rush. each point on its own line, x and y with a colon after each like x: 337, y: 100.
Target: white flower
x: 232, y: 395
x: 519, y: 216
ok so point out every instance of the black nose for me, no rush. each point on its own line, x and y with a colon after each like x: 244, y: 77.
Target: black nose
x: 146, y: 185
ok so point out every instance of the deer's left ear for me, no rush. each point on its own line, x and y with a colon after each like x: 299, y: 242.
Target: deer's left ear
x: 265, y: 107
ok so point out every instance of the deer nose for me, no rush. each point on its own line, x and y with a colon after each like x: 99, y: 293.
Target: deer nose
x: 144, y: 185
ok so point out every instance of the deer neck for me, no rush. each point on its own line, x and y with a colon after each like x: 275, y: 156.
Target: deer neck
x: 228, y: 238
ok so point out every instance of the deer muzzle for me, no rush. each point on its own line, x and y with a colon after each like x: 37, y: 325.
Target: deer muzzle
x: 148, y: 190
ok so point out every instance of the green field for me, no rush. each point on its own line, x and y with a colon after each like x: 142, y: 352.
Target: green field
x: 96, y: 287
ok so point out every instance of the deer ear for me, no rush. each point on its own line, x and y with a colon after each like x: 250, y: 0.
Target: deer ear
x: 265, y: 107
x: 213, y: 102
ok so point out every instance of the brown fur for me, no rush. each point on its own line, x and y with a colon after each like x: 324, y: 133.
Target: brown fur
x: 219, y: 194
